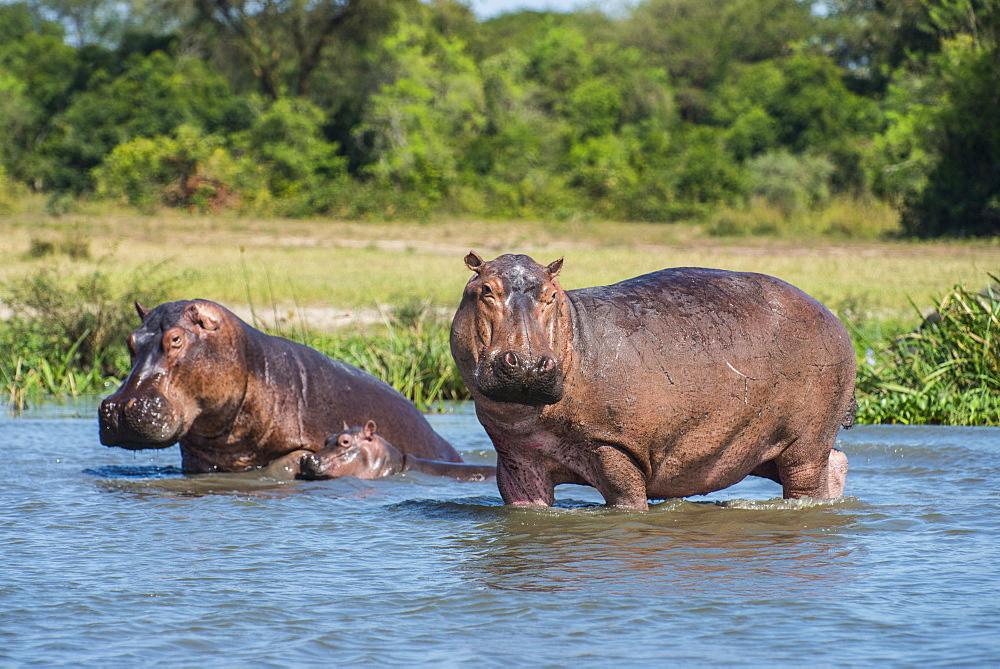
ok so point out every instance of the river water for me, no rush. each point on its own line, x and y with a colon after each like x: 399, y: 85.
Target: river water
x: 115, y: 558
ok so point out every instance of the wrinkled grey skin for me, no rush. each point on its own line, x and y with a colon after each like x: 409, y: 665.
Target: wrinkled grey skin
x: 237, y: 399
x: 362, y: 452
x: 676, y: 383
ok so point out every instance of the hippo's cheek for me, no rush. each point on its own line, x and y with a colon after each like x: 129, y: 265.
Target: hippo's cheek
x: 148, y: 421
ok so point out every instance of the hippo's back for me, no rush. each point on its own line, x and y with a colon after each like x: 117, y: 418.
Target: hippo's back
x: 338, y: 393
x: 710, y: 310
x: 691, y: 332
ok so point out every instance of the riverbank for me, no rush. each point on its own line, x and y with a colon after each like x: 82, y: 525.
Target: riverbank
x: 380, y: 296
x: 320, y: 268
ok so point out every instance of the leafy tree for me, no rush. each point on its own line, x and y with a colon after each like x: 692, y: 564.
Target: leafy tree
x: 871, y: 39
x: 152, y: 97
x: 287, y: 144
x: 285, y: 41
x: 38, y: 74
x: 962, y: 191
x: 698, y: 43
x: 941, y: 150
x: 800, y: 104
x: 417, y: 122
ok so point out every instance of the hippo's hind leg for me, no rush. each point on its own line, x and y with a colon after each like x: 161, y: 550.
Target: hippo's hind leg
x: 820, y: 478
x: 836, y: 473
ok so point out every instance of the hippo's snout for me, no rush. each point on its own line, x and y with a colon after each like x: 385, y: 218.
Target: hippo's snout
x: 147, y: 421
x: 309, y: 465
x: 513, y: 376
x: 316, y: 465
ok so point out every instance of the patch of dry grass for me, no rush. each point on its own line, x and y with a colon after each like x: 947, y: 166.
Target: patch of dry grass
x: 295, y: 264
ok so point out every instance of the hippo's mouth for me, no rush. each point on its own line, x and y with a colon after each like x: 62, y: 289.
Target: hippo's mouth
x: 324, y: 465
x: 532, y: 389
x: 115, y: 442
x: 137, y: 424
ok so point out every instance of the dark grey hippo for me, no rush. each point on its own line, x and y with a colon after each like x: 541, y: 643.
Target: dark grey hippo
x: 676, y: 383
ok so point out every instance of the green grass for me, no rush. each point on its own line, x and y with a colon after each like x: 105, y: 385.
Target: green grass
x: 946, y: 372
x: 415, y: 360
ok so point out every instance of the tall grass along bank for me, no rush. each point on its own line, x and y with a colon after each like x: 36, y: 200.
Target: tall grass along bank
x: 946, y: 371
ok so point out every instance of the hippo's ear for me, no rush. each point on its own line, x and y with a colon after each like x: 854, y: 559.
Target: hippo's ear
x: 370, y: 428
x: 346, y: 426
x: 554, y: 267
x: 205, y: 314
x: 141, y: 310
x: 474, y: 262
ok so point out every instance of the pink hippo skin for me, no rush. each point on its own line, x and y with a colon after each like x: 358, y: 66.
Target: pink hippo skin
x: 676, y: 383
x: 237, y: 399
x: 361, y: 452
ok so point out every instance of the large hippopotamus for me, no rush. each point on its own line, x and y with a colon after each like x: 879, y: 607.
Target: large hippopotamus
x: 365, y: 454
x: 236, y: 398
x: 675, y: 383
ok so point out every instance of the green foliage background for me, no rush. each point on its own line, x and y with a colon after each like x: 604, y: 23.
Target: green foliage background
x: 384, y: 109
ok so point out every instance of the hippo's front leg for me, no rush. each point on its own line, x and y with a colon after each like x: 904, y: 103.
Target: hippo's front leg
x: 523, y: 484
x: 618, y: 479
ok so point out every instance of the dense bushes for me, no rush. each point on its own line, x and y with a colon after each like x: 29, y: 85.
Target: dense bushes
x: 390, y: 108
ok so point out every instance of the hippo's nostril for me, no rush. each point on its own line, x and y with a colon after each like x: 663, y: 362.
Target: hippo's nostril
x: 129, y: 403
x: 545, y: 364
x: 511, y: 359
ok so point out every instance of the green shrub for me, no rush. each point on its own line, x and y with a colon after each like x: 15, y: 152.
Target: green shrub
x: 187, y: 169
x: 790, y: 183
x: 72, y: 325
x: 287, y: 145
x: 947, y: 371
x: 414, y: 359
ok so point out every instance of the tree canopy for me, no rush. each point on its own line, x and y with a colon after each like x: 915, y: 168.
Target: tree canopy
x: 390, y: 108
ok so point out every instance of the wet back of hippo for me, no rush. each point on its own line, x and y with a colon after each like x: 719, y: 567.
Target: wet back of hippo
x: 675, y: 383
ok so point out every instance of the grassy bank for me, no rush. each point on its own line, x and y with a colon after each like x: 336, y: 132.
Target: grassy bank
x: 380, y: 295
x: 946, y: 371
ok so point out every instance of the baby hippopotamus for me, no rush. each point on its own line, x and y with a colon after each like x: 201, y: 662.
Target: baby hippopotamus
x: 362, y: 452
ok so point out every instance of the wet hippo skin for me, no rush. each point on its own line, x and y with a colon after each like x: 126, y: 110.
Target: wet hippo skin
x: 365, y: 454
x: 235, y: 398
x: 676, y: 383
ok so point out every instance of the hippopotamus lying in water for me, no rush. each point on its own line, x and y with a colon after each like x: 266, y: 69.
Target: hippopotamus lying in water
x: 679, y: 382
x: 236, y: 398
x: 361, y: 452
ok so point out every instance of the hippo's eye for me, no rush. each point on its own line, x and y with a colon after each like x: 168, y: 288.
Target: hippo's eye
x: 486, y: 291
x: 344, y: 442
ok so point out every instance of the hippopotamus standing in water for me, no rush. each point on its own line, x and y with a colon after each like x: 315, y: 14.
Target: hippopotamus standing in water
x: 361, y: 452
x: 676, y: 383
x: 236, y: 398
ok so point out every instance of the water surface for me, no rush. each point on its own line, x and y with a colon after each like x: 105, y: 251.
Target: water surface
x: 112, y: 557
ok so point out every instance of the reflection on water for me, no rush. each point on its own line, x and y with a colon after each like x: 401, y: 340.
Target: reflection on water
x: 730, y: 548
x: 134, y: 472
x: 113, y: 557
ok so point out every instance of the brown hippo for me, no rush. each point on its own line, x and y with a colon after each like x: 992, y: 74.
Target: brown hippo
x: 679, y: 382
x: 236, y: 398
x: 361, y: 452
